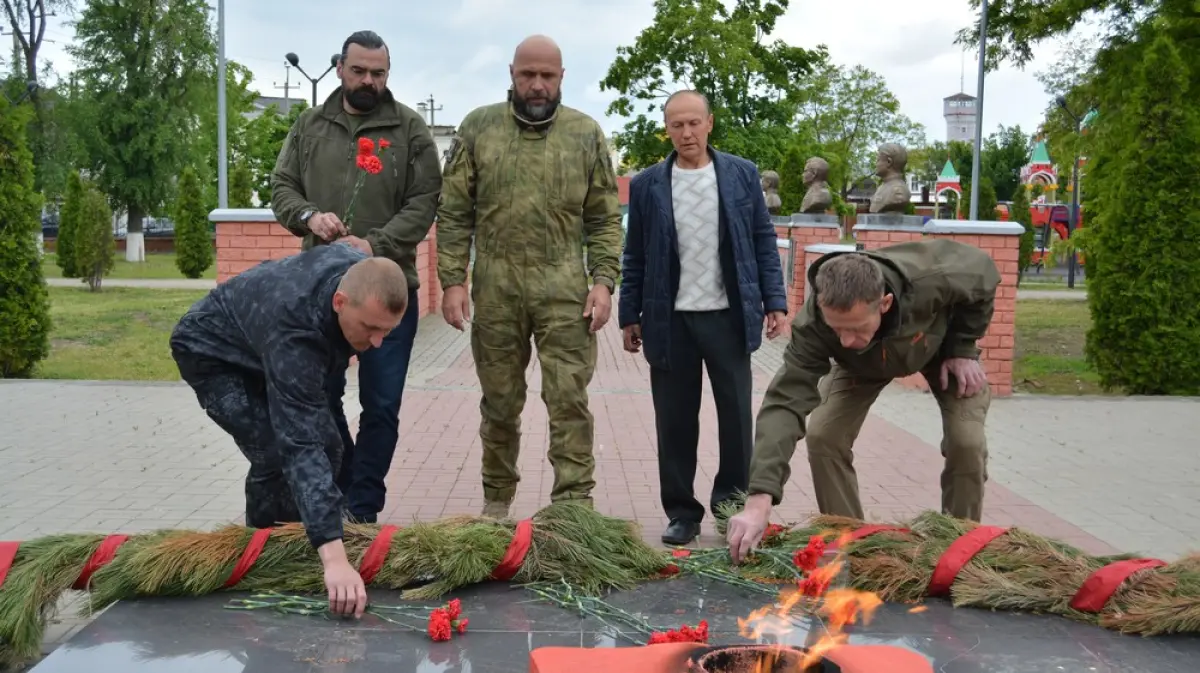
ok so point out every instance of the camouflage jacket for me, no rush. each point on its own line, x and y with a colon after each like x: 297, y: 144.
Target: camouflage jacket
x: 316, y: 170
x: 945, y: 295
x: 277, y: 322
x: 545, y: 188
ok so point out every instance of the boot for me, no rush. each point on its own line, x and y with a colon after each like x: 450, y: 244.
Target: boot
x: 493, y: 509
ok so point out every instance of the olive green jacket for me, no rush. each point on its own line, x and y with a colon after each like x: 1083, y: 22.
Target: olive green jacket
x: 546, y: 188
x: 317, y: 170
x: 945, y: 295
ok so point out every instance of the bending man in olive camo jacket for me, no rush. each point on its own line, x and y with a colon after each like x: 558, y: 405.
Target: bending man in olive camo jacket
x: 879, y: 315
x: 312, y: 187
x: 531, y: 180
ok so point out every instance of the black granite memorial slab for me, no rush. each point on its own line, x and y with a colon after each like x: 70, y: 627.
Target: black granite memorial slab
x: 165, y: 635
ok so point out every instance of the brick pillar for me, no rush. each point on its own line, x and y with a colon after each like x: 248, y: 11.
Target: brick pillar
x: 431, y: 290
x: 876, y: 230
x: 1001, y: 240
x: 806, y: 229
x: 247, y: 236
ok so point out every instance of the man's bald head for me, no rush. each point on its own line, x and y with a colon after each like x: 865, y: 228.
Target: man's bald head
x: 537, y: 48
x: 370, y: 301
x: 537, y: 74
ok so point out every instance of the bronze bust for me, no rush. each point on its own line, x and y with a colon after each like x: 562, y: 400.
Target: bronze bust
x: 818, y: 198
x: 892, y: 195
x: 770, y: 186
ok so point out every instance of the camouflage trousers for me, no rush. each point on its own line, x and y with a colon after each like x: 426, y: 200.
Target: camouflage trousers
x: 834, y: 426
x: 516, y: 303
x: 237, y: 402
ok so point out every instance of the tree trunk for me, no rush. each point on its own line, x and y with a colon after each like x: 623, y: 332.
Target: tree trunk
x: 135, y: 241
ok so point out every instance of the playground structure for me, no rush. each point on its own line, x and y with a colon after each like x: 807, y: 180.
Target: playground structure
x: 1051, y: 218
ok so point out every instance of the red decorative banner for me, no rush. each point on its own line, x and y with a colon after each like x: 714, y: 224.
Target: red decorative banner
x: 101, y: 557
x: 514, y: 556
x: 249, y: 556
x: 1094, y: 593
x: 376, y: 554
x: 958, y: 554
x: 8, y: 554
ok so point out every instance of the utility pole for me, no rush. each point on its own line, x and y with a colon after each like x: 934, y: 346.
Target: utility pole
x: 983, y: 10
x: 427, y: 105
x: 222, y: 138
x: 287, y: 85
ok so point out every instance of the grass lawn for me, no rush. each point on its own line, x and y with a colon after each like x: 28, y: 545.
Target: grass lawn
x: 159, y: 265
x: 116, y: 334
x: 1049, y: 348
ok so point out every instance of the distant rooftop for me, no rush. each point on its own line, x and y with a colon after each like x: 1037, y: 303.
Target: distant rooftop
x: 960, y: 96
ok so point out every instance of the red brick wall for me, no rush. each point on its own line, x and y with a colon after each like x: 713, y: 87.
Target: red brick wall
x: 802, y: 237
x: 878, y: 238
x: 241, y: 245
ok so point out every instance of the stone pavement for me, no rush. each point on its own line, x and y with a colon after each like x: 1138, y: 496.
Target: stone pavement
x: 118, y: 457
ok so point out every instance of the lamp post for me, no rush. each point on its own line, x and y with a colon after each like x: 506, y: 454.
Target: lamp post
x: 295, y: 61
x: 1073, y: 221
x: 222, y: 121
x: 974, y: 214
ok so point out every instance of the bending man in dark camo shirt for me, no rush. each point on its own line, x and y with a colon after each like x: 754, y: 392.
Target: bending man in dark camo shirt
x: 259, y: 351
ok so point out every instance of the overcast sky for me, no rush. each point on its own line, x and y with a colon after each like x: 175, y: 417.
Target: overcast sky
x: 458, y: 50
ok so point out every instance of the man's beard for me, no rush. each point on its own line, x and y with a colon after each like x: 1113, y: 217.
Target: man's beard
x: 363, y: 99
x: 536, y: 113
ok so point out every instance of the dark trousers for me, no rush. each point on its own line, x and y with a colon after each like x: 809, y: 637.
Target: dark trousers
x: 236, y: 400
x: 382, y: 373
x: 714, y: 339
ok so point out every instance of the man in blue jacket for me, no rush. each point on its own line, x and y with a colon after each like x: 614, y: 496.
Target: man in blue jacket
x: 699, y: 276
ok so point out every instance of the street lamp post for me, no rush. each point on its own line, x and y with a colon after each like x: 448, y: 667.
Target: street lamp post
x: 295, y: 61
x: 975, y: 156
x: 1073, y: 221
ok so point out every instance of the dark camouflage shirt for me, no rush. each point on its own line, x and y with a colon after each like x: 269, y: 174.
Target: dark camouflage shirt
x: 277, y: 321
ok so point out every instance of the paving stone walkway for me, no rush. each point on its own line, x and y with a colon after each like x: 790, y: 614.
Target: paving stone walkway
x: 1105, y: 474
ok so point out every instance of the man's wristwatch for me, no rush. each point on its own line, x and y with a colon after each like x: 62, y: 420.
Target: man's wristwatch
x: 305, y: 215
x: 605, y: 281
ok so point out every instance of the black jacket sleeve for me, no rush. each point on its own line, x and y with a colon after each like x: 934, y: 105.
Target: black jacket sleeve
x: 303, y: 425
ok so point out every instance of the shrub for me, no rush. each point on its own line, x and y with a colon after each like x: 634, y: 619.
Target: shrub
x: 193, y: 246
x: 24, y: 301
x: 94, y: 245
x: 241, y: 187
x: 1143, y: 238
x: 68, y: 224
x: 1020, y: 213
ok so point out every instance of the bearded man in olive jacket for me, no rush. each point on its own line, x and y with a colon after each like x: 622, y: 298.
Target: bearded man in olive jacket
x: 874, y: 317
x: 312, y: 186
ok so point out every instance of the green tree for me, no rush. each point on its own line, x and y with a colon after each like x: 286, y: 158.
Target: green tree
x: 94, y: 244
x: 193, y: 245
x: 849, y: 112
x: 24, y: 301
x: 147, y: 68
x: 1143, y: 278
x: 753, y: 85
x: 239, y: 100
x: 926, y: 163
x: 1019, y: 212
x: 68, y: 227
x: 264, y: 140
x: 1004, y: 154
x: 987, y: 200
x: 241, y: 188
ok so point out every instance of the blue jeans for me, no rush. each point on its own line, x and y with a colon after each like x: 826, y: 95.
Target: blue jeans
x: 381, y: 376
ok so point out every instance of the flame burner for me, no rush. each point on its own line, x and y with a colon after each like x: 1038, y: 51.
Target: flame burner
x: 752, y: 659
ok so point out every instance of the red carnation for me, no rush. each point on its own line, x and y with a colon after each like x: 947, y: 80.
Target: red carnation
x: 384, y: 143
x: 366, y: 146
x: 461, y: 625
x: 439, y: 625
x: 684, y: 634
x: 806, y: 559
x: 454, y: 608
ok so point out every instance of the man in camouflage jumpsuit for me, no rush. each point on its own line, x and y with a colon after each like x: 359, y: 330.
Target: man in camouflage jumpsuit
x: 531, y: 181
